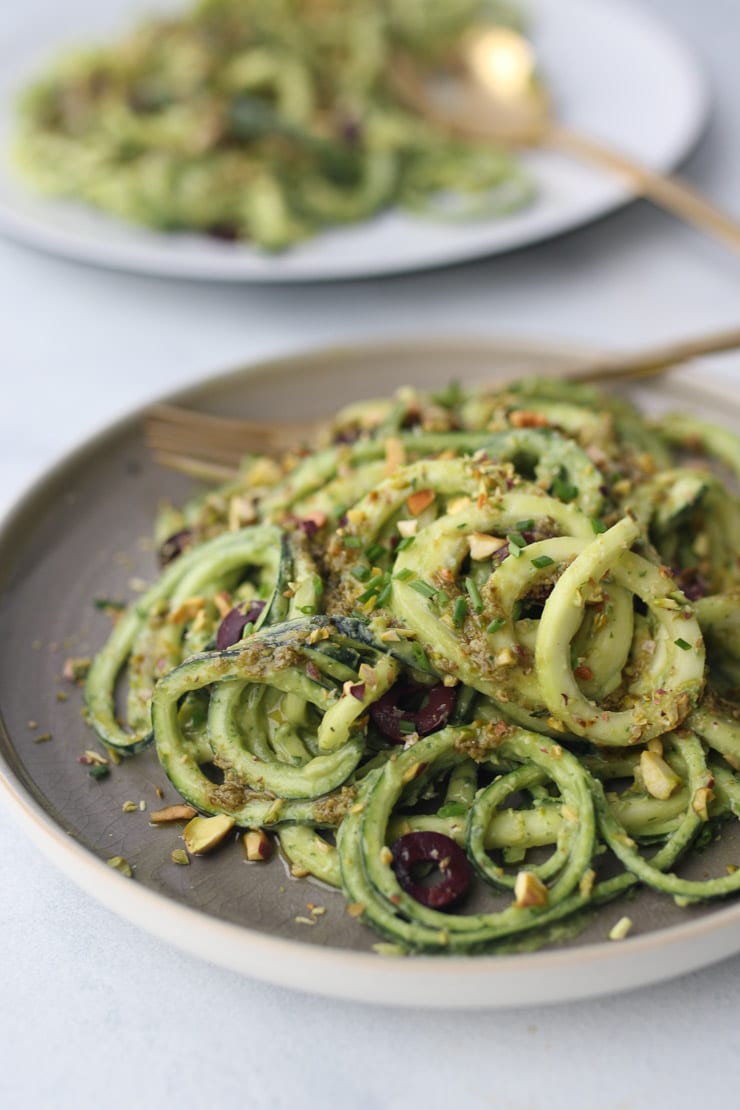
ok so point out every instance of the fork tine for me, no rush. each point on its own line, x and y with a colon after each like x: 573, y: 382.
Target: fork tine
x: 196, y: 468
x: 222, y: 440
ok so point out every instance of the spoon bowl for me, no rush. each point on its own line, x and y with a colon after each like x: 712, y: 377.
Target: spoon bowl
x: 490, y: 90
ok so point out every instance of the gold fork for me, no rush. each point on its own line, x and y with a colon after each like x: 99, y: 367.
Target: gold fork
x: 212, y: 446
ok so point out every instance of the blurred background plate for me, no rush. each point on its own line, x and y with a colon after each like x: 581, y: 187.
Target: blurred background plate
x: 615, y: 72
x: 78, y: 536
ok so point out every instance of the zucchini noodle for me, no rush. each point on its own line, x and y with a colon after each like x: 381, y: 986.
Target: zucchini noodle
x: 264, y: 121
x: 475, y: 661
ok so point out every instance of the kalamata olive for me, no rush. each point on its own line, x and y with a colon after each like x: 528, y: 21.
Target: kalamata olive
x: 452, y: 876
x: 226, y: 232
x: 396, y: 721
x: 174, y: 545
x: 231, y: 627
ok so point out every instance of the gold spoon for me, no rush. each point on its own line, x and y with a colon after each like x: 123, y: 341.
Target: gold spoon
x: 491, y: 91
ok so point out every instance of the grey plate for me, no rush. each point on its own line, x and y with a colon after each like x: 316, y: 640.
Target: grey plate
x: 81, y: 534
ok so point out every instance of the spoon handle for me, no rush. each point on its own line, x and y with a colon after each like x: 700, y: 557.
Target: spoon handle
x: 670, y: 193
x: 652, y: 361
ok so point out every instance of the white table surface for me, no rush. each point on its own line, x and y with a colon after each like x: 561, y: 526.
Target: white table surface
x: 94, y: 1013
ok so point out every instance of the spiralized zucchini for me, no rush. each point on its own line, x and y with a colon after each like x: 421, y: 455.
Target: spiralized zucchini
x: 491, y: 633
x: 263, y: 120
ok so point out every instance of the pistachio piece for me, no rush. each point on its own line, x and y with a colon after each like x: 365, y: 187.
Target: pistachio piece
x: 659, y: 777
x: 172, y: 813
x: 700, y: 802
x: 621, y: 929
x: 419, y: 501
x: 202, y: 834
x: 179, y: 855
x: 482, y: 545
x: 257, y: 845
x: 118, y: 863
x: 529, y: 890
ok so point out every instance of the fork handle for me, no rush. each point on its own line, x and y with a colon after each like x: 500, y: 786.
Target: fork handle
x: 671, y: 193
x: 652, y: 361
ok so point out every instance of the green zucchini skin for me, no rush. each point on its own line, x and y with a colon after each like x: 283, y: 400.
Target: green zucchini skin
x: 192, y: 573
x: 293, y: 658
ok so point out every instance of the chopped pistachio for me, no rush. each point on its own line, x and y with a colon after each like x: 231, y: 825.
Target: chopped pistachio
x: 702, y: 797
x: 172, y: 813
x: 118, y: 863
x: 481, y: 545
x: 75, y: 670
x: 621, y: 929
x: 257, y: 845
x: 180, y: 856
x: 659, y: 777
x: 203, y: 834
x: 529, y: 890
x: 385, y: 949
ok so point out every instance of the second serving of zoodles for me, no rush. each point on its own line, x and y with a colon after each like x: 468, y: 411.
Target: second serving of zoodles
x: 475, y: 662
x: 263, y: 121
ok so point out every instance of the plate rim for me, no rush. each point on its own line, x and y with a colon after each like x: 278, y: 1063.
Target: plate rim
x: 467, y: 982
x: 160, y: 261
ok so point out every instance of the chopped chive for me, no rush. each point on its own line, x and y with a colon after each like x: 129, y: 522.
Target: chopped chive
x: 420, y: 657
x: 459, y: 611
x: 460, y: 527
x: 309, y: 610
x: 361, y: 573
x: 524, y: 525
x: 474, y: 595
x: 684, y: 646
x: 385, y: 595
x: 317, y: 584
x: 405, y: 542
x: 516, y: 538
x: 598, y: 525
x: 496, y: 623
x: 452, y: 809
x: 450, y: 396
x: 352, y: 541
x: 516, y: 611
x: 373, y: 588
x: 564, y: 490
x: 441, y: 600
x: 404, y: 575
x: 374, y: 552
x: 422, y: 587
x: 405, y: 727
x: 542, y: 561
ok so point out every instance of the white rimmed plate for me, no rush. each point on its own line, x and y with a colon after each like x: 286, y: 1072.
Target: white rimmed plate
x: 74, y: 537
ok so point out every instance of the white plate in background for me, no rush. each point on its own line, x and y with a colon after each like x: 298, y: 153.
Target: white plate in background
x: 614, y: 70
